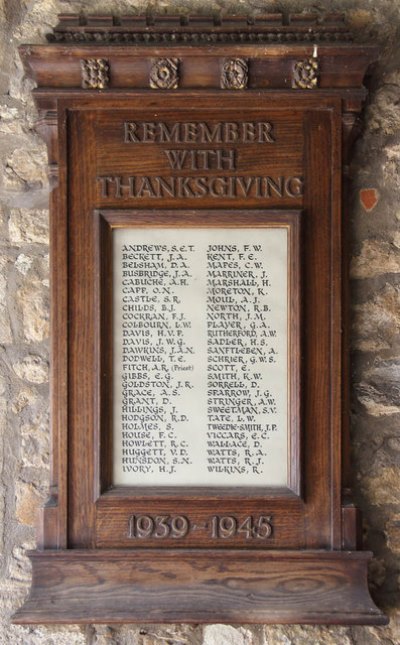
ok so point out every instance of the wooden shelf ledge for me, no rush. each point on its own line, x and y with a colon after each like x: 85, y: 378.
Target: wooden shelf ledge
x: 127, y: 586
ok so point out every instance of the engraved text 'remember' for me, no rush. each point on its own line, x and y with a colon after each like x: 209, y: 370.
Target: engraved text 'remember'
x: 198, y: 132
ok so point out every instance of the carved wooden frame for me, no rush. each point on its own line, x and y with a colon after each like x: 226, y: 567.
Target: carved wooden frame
x: 112, y: 502
x: 86, y: 569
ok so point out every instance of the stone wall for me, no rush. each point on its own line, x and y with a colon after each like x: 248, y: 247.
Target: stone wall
x: 24, y: 326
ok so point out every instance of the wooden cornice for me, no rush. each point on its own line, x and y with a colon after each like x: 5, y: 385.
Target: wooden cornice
x: 176, y: 29
x: 298, y: 52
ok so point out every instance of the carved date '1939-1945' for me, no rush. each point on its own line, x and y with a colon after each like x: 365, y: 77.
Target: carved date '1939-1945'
x: 218, y: 526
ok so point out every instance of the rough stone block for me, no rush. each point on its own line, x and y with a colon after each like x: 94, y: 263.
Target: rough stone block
x: 33, y: 302
x: 226, y: 635
x: 33, y: 369
x: 28, y: 227
x: 377, y: 257
x: 27, y: 501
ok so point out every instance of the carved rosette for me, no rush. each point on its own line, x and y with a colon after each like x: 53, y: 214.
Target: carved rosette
x: 164, y: 74
x: 95, y: 73
x: 235, y: 74
x: 305, y: 74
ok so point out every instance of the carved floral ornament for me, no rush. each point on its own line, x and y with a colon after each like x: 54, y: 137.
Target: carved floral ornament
x: 95, y: 73
x: 164, y: 74
x: 305, y: 73
x: 235, y: 74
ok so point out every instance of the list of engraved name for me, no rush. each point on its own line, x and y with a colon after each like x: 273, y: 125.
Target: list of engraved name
x: 200, y: 356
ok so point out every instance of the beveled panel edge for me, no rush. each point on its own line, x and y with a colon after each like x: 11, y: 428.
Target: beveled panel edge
x: 109, y: 219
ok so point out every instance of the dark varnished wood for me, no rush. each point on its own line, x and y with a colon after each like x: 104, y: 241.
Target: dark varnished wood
x: 91, y: 566
x: 93, y: 237
x: 200, y: 586
x: 114, y: 508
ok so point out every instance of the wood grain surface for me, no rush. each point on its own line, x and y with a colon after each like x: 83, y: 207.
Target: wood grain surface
x: 199, y: 586
x: 91, y: 566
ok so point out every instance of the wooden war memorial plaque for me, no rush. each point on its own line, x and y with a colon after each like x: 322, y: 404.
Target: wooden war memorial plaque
x: 199, y: 330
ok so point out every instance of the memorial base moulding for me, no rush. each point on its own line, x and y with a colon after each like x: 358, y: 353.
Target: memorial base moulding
x: 199, y: 586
